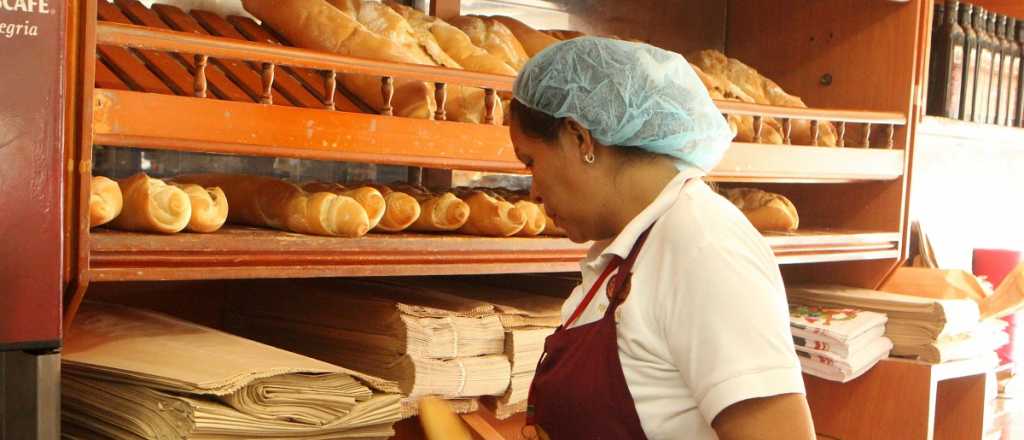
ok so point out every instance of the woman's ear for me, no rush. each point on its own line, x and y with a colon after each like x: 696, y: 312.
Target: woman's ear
x: 578, y: 136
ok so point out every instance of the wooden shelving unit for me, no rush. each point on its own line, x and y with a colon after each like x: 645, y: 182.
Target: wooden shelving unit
x: 165, y: 79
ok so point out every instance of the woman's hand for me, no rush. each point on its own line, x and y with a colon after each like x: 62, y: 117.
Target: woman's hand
x: 783, y: 417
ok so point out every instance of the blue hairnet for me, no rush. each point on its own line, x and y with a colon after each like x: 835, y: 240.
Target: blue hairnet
x: 628, y: 94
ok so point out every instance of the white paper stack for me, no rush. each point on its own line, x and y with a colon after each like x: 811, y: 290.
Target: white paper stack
x: 428, y: 342
x: 838, y: 344
x: 930, y: 330
x: 130, y: 374
x: 528, y: 319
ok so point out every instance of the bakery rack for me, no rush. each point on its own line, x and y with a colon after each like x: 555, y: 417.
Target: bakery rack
x: 162, y: 78
x: 198, y: 82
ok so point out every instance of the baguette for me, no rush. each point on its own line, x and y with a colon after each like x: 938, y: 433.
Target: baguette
x: 495, y: 38
x: 105, y: 201
x: 536, y: 218
x: 438, y: 213
x: 268, y: 202
x: 490, y: 216
x: 533, y: 41
x: 463, y: 104
x: 764, y: 91
x: 766, y: 211
x: 369, y: 198
x: 454, y: 42
x: 440, y: 422
x: 316, y: 24
x: 401, y: 211
x: 743, y: 126
x: 150, y: 205
x: 209, y: 208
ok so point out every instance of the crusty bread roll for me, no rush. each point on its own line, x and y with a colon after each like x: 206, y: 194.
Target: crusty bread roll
x: 743, y: 126
x: 105, y: 201
x: 462, y: 104
x: 370, y: 198
x: 268, y: 202
x: 493, y: 37
x: 536, y: 218
x: 440, y: 422
x: 454, y: 42
x: 438, y: 213
x: 536, y: 221
x: 209, y: 207
x: 316, y: 24
x: 150, y: 205
x: 388, y: 23
x: 490, y: 216
x: 533, y: 41
x: 766, y: 211
x: 402, y: 210
x: 763, y: 91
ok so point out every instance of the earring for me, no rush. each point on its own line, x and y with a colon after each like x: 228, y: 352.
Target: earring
x: 589, y: 158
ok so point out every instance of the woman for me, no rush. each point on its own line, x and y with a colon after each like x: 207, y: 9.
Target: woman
x: 617, y: 136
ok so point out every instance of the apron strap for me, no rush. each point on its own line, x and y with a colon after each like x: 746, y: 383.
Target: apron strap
x: 621, y: 283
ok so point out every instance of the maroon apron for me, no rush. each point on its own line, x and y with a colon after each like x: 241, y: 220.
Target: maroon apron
x: 579, y: 391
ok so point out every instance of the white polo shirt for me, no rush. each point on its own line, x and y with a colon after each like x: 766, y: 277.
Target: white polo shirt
x: 706, y: 324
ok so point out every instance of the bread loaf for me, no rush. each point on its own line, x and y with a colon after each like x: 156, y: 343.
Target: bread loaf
x: 766, y: 211
x: 209, y: 208
x: 369, y: 198
x: 316, y: 24
x: 764, y: 91
x: 438, y: 213
x: 150, y: 205
x: 493, y: 37
x: 401, y: 210
x: 490, y: 216
x: 720, y: 88
x: 440, y: 422
x: 105, y: 201
x: 454, y: 42
x: 463, y: 104
x: 268, y: 202
x: 533, y: 41
x: 536, y: 218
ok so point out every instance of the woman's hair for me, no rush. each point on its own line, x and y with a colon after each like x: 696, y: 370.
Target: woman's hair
x: 539, y: 125
x: 535, y: 123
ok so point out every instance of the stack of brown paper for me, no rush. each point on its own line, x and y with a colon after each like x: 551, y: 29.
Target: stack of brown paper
x: 124, y: 368
x: 428, y: 342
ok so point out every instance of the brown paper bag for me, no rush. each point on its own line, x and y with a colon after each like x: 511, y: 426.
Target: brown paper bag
x: 935, y: 283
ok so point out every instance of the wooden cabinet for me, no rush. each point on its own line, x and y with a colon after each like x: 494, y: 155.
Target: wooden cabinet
x: 161, y: 78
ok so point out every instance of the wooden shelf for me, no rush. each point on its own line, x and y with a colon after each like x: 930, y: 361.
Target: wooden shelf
x: 135, y: 119
x: 237, y: 252
x: 903, y: 399
x: 789, y: 163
